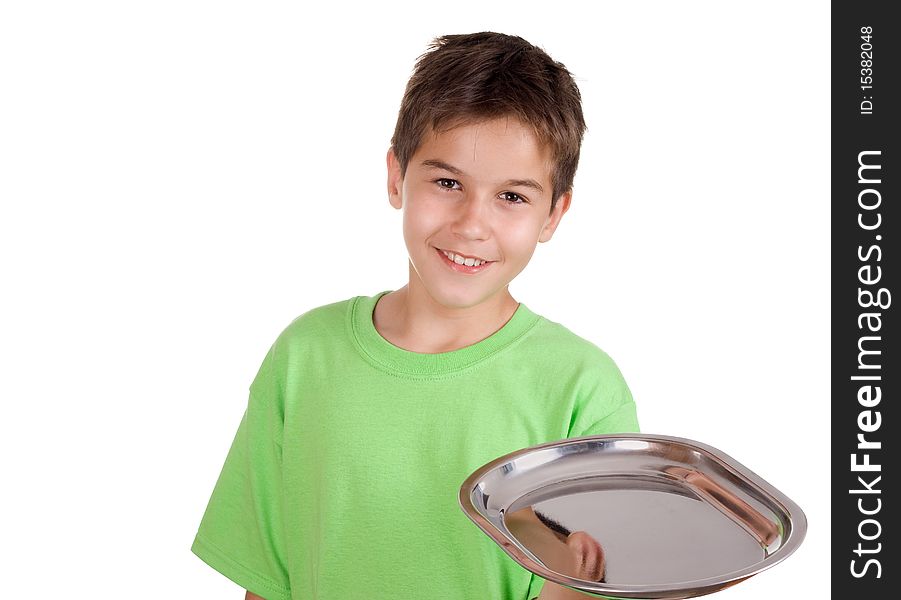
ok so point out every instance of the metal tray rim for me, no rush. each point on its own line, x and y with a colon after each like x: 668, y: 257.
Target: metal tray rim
x: 683, y: 589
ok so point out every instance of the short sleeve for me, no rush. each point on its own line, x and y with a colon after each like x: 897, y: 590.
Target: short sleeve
x: 535, y: 586
x: 623, y: 419
x: 605, y: 403
x: 241, y: 534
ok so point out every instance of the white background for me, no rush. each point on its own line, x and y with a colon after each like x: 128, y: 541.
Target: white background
x: 179, y: 180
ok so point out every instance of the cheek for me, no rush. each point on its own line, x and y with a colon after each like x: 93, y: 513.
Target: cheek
x: 422, y: 217
x: 522, y: 237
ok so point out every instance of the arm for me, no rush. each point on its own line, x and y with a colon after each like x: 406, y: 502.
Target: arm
x: 251, y: 596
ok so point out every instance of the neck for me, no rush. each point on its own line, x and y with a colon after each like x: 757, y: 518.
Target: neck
x: 412, y: 319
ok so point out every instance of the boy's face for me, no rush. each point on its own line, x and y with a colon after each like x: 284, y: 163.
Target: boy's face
x: 481, y: 191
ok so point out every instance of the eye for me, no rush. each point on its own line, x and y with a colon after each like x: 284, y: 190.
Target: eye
x: 513, y: 198
x: 448, y: 184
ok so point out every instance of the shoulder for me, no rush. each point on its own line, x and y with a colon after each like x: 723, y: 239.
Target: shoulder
x: 314, y: 335
x: 587, y: 381
x: 319, y: 319
x: 601, y: 399
x: 311, y: 328
x: 560, y: 345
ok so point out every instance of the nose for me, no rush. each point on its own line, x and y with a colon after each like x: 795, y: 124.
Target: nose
x: 472, y: 219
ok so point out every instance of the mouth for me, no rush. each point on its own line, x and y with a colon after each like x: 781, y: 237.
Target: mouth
x: 463, y: 263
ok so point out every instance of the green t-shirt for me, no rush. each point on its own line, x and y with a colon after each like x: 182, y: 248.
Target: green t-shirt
x: 343, y: 478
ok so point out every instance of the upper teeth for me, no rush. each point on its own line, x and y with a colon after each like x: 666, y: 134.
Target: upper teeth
x: 469, y: 262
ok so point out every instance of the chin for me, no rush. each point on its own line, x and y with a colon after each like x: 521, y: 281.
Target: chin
x: 457, y: 292
x: 461, y: 298
x: 452, y: 300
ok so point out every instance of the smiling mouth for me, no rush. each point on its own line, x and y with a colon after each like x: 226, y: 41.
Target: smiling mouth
x: 463, y: 259
x: 461, y: 263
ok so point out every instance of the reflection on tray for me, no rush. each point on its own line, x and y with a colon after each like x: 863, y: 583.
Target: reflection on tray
x: 764, y: 530
x: 633, y: 515
x: 576, y: 554
x: 630, y: 531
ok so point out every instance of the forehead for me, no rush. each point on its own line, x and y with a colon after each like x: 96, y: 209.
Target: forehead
x: 497, y: 149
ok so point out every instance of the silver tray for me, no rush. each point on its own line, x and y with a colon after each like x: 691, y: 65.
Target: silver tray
x: 633, y: 515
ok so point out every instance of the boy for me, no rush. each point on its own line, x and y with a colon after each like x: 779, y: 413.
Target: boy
x: 367, y: 415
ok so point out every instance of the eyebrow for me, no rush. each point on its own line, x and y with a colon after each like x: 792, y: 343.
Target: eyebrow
x: 440, y: 164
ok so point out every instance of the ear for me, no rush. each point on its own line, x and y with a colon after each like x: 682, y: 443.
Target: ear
x: 554, y: 218
x: 395, y: 180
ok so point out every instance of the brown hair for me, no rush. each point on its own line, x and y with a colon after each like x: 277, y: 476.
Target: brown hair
x: 480, y: 76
